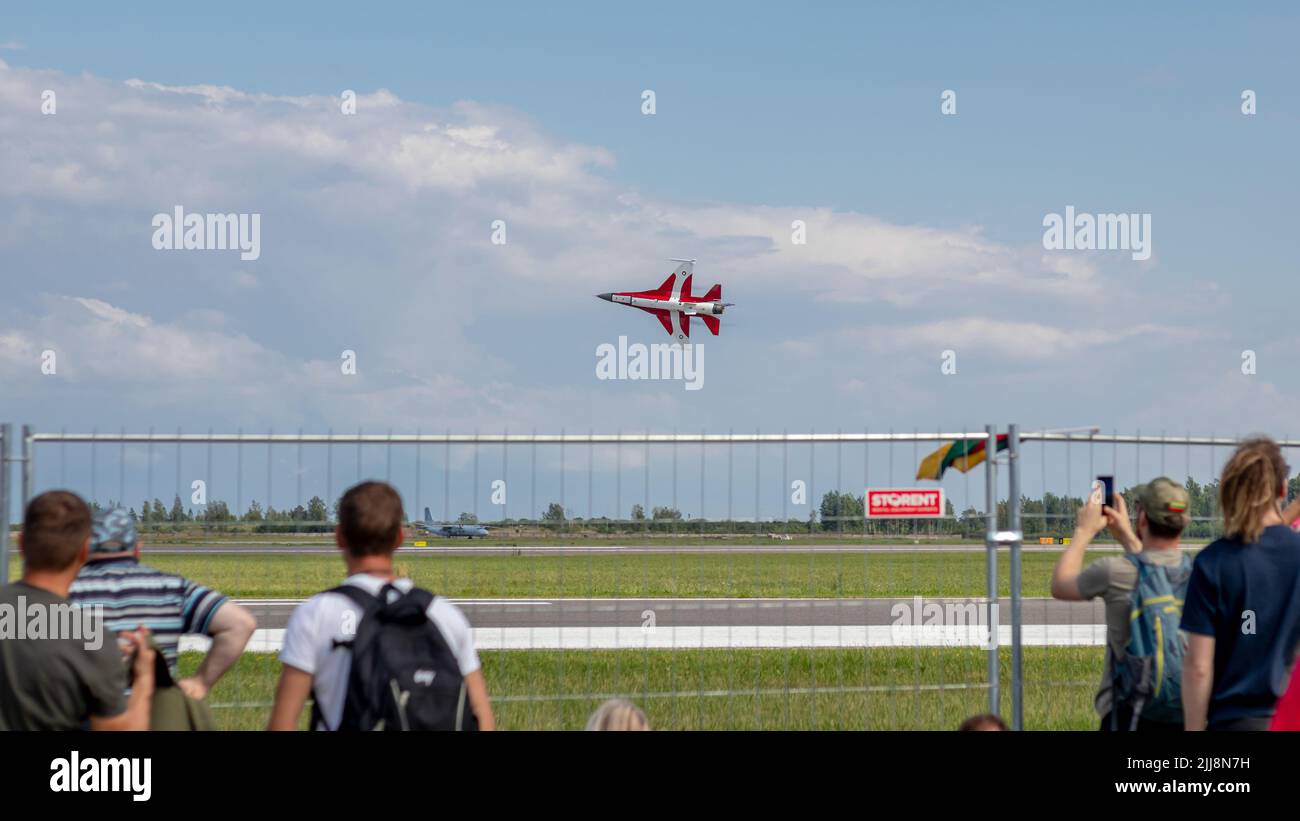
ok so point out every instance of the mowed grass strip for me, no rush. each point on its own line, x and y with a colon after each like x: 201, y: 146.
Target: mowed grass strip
x: 756, y: 575
x: 822, y: 689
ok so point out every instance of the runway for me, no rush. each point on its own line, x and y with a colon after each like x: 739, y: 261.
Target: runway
x: 460, y: 548
x: 591, y: 624
x: 693, y: 612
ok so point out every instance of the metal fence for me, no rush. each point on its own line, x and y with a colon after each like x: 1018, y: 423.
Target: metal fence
x: 720, y: 580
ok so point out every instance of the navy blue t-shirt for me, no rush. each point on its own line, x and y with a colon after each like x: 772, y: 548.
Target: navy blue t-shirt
x: 1247, y: 596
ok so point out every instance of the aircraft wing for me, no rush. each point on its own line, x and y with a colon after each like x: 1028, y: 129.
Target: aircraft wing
x: 663, y: 317
x: 685, y: 267
x: 681, y: 277
x: 683, y: 320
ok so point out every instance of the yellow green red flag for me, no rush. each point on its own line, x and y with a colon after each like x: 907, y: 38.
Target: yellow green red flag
x: 962, y: 454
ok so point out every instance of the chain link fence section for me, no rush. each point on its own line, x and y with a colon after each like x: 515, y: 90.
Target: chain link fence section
x: 718, y: 580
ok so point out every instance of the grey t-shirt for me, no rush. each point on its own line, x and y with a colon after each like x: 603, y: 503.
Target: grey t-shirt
x: 1113, y: 579
x: 54, y: 683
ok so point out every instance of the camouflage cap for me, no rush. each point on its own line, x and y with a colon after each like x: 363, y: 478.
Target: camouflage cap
x: 1165, y: 501
x: 112, y: 534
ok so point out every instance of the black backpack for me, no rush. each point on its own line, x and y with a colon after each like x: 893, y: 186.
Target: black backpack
x: 404, y: 676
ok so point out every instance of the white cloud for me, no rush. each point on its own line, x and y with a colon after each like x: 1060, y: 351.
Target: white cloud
x: 1012, y: 339
x: 375, y: 237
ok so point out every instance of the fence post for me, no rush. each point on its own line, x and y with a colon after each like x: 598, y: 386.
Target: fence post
x: 6, y: 436
x: 1013, y: 524
x: 991, y: 561
x: 28, y: 466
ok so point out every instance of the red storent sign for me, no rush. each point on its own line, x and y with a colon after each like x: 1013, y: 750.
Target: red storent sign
x: 905, y: 502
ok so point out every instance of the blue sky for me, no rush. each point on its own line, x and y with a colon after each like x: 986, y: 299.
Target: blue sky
x: 925, y: 230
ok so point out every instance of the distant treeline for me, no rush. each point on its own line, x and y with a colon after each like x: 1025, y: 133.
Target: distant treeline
x: 838, y: 513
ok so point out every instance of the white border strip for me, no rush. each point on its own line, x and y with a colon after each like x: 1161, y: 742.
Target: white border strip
x: 267, y: 640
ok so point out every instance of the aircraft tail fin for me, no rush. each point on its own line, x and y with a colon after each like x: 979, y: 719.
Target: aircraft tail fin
x: 714, y: 294
x: 428, y: 517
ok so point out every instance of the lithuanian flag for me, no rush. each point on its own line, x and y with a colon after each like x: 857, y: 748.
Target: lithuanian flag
x: 962, y: 454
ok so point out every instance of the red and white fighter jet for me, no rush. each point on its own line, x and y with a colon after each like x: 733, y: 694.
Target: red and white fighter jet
x: 673, y: 304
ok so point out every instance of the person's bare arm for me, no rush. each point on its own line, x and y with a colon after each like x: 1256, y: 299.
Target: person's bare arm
x: 231, y: 628
x: 1065, y: 576
x: 476, y: 686
x: 136, y: 714
x: 1291, y: 512
x: 1120, y: 527
x: 1198, y: 680
x: 290, y: 696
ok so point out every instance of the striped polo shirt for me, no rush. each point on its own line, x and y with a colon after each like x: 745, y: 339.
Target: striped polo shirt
x: 133, y: 594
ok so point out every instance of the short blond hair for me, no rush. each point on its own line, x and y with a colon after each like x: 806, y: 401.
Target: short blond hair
x: 618, y: 714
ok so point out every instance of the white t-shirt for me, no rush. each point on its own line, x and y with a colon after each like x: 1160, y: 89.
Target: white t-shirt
x: 326, y: 617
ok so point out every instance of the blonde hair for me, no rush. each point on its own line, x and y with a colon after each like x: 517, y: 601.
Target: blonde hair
x: 618, y: 714
x: 1253, y: 481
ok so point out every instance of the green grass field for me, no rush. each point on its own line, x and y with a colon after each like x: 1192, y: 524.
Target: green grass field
x: 823, y: 689
x: 768, y: 574
x: 513, y: 537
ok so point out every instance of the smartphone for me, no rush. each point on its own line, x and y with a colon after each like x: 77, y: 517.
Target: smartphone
x: 1107, y: 490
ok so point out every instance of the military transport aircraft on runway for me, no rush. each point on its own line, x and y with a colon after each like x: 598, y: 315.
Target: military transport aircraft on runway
x: 449, y: 531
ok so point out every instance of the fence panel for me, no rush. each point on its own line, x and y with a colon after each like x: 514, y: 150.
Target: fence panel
x: 718, y: 580
x: 1056, y: 471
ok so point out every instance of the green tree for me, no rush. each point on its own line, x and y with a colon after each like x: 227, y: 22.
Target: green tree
x: 218, y: 511
x: 554, y: 512
x: 467, y: 519
x: 841, y: 511
x: 254, y: 513
x: 316, y: 511
x: 666, y: 514
x: 638, y: 513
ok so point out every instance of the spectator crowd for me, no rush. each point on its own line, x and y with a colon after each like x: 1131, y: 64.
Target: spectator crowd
x: 100, y: 630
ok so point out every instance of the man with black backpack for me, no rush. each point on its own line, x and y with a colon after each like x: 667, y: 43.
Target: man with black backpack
x: 378, y: 653
x: 1143, y: 591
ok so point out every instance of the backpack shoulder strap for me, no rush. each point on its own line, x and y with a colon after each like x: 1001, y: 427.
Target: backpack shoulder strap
x: 358, y: 596
x: 424, y: 597
x: 367, y: 603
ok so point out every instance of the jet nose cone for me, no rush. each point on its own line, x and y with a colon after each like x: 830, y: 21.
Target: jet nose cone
x: 607, y: 297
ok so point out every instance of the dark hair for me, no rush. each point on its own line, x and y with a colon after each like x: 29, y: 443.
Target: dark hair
x: 56, y: 526
x: 370, y: 517
x: 983, y: 721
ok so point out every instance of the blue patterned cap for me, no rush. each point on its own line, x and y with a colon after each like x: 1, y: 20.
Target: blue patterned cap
x: 112, y: 534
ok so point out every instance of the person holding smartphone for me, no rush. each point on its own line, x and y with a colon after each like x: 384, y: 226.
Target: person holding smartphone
x: 1163, y: 509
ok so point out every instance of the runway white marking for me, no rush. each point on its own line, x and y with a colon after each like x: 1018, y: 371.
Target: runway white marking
x: 267, y: 640
x: 764, y: 601
x: 471, y: 602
